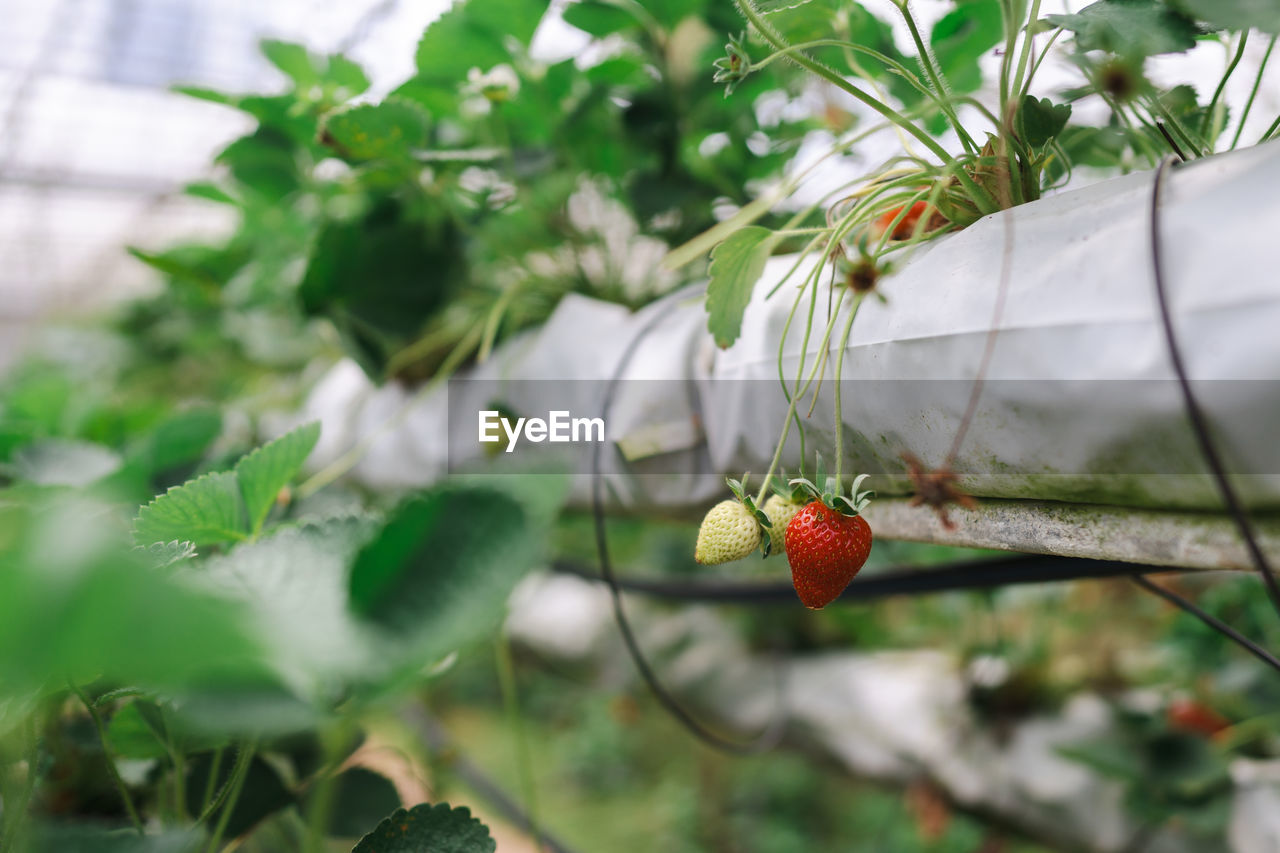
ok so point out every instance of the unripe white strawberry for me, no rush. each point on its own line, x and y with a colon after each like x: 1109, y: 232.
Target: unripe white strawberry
x: 729, y: 532
x: 780, y: 511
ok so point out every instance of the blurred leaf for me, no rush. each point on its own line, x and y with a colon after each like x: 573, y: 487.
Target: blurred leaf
x: 292, y: 59
x: 472, y: 34
x: 736, y: 266
x: 265, y: 163
x: 65, y: 462
x: 119, y: 620
x: 669, y: 13
x: 295, y: 581
x: 346, y: 74
x: 161, y: 555
x: 392, y: 130
x: 86, y: 839
x: 438, y: 574
x: 131, y: 736
x: 204, y: 511
x: 203, y: 93
x: 363, y: 799
x: 180, y: 440
x: 267, y: 470
x: 961, y: 37
x: 597, y: 18
x: 429, y: 829
x: 1040, y: 120
x: 208, y: 191
x: 1235, y: 14
x: 263, y: 793
x: 1129, y: 28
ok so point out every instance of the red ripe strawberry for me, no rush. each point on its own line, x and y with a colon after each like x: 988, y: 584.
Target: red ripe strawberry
x: 907, y: 227
x: 825, y: 549
x: 1188, y: 715
x: 827, y: 542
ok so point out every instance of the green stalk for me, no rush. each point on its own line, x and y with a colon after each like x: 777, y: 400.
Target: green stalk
x: 1174, y: 125
x: 1275, y: 125
x: 1253, y: 93
x: 211, y: 784
x: 931, y: 71
x: 111, y: 763
x: 1211, y: 119
x: 1025, y: 56
x: 844, y: 344
x: 231, y: 793
x: 515, y: 722
x: 980, y: 196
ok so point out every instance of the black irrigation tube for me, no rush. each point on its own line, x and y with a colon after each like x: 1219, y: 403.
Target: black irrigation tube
x: 970, y: 575
x: 1200, y: 426
x: 772, y: 735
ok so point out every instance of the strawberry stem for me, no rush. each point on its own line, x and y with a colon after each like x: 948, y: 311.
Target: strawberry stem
x: 844, y: 343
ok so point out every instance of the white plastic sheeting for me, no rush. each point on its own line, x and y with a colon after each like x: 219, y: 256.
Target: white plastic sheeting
x: 1079, y: 402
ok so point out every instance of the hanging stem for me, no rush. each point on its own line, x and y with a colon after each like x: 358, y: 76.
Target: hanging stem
x: 515, y: 723
x: 844, y: 344
x: 935, y: 77
x: 1211, y: 119
x: 1253, y: 93
x: 231, y: 793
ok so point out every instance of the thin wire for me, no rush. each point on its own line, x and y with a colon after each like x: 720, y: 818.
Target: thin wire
x: 1210, y: 620
x: 1196, y: 415
x: 772, y: 735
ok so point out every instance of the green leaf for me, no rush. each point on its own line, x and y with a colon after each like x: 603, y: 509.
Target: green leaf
x: 598, y: 19
x: 347, y: 75
x: 736, y: 266
x: 267, y: 470
x: 180, y: 440
x: 429, y: 829
x: 204, y: 511
x: 1040, y: 120
x: 265, y: 163
x: 393, y: 130
x: 438, y: 574
x: 364, y: 798
x: 473, y: 34
x: 1129, y: 28
x: 961, y: 37
x: 1235, y: 14
x: 131, y: 736
x: 292, y: 59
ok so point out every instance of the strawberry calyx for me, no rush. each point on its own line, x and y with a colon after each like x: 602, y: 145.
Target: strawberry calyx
x: 739, y: 489
x: 830, y: 493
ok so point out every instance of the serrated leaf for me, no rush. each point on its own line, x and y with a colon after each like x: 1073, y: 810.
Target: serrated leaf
x: 1133, y: 29
x: 267, y: 470
x: 473, y: 34
x: 164, y: 554
x: 736, y: 266
x: 1040, y: 120
x: 204, y: 511
x: 598, y: 19
x: 391, y: 130
x: 429, y: 829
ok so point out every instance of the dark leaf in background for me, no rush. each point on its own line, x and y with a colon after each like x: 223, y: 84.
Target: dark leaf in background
x: 379, y: 278
x: 439, y: 573
x: 265, y: 163
x: 363, y: 797
x: 598, y: 18
x: 1235, y: 14
x: 263, y: 794
x: 429, y: 829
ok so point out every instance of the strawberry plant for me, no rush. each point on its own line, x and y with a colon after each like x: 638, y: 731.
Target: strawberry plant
x: 216, y: 672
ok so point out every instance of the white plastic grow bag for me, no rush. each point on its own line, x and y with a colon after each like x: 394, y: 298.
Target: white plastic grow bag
x: 1079, y: 403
